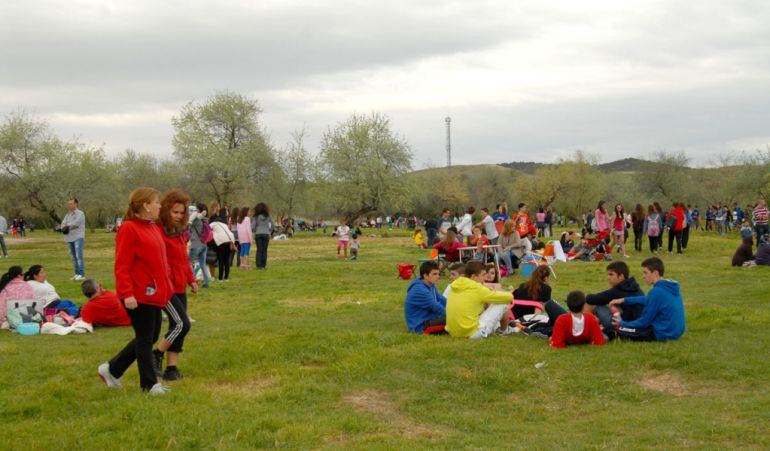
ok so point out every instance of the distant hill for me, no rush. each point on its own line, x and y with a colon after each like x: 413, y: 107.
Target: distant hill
x: 624, y: 165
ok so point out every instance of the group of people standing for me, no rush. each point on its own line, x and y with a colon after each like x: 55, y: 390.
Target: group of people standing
x: 154, y: 269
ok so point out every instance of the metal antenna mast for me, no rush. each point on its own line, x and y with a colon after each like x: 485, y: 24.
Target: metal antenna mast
x: 448, y: 142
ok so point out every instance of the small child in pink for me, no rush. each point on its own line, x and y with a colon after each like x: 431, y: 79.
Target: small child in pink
x: 343, y: 239
x: 244, y: 238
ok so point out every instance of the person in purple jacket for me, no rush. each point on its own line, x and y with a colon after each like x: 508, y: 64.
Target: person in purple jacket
x: 424, y: 305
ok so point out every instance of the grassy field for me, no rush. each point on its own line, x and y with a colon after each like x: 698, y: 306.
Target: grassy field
x: 314, y: 353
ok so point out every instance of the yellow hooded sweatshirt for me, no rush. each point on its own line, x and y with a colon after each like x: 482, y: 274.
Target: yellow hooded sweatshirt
x: 466, y: 303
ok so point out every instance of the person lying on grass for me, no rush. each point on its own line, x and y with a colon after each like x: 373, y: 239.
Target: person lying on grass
x: 455, y: 270
x: 424, y: 305
x: 467, y: 313
x: 621, y: 286
x: 577, y: 326
x: 103, y: 307
x: 662, y: 317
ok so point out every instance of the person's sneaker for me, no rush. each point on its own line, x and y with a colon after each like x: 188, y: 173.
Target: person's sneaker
x: 107, y: 377
x: 510, y: 330
x: 158, y: 389
x: 78, y: 277
x: 157, y: 363
x: 172, y: 374
x: 73, y: 277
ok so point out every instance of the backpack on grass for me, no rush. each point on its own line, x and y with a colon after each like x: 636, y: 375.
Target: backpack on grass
x: 405, y: 271
x: 20, y: 312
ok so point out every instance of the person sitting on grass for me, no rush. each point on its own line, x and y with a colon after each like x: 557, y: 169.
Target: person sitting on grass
x: 473, y: 310
x: 455, y: 270
x: 662, y: 317
x: 13, y: 288
x: 103, y: 307
x: 536, y: 289
x: 621, y: 286
x: 763, y: 251
x: 424, y: 305
x: 576, y: 327
x: 492, y: 278
x: 36, y: 277
x: 512, y: 246
x: 449, y: 247
x: 419, y: 238
x: 744, y: 255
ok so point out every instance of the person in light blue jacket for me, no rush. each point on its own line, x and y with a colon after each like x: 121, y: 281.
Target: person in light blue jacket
x: 424, y: 305
x: 662, y: 318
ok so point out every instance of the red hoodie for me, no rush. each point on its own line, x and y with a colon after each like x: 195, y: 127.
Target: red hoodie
x: 141, y: 265
x: 179, y: 263
x: 678, y: 213
x: 562, y: 332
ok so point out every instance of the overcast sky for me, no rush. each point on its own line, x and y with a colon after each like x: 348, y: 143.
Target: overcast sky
x: 529, y: 81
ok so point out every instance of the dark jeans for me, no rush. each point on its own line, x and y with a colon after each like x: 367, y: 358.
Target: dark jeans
x: 223, y: 260
x: 685, y: 237
x: 675, y: 235
x: 431, y: 236
x: 261, y: 240
x: 2, y: 244
x: 638, y: 238
x: 178, y: 321
x: 653, y: 243
x: 440, y: 321
x: 761, y: 229
x: 554, y: 310
x: 146, y: 321
x: 628, y: 312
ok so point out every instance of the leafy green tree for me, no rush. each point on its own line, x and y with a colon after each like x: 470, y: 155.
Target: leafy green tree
x: 221, y: 146
x: 297, y: 172
x: 365, y: 162
x: 45, y: 171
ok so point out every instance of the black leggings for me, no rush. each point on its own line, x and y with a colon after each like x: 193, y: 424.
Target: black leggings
x: 178, y: 321
x: 638, y: 238
x: 146, y: 322
x: 223, y: 258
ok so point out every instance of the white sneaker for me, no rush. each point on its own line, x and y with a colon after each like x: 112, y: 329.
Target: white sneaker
x: 510, y: 330
x: 107, y: 377
x: 79, y: 277
x: 158, y: 389
x: 73, y: 277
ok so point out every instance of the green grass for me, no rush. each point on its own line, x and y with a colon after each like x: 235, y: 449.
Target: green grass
x: 314, y: 353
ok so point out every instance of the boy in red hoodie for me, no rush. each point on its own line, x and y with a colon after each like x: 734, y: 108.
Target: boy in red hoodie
x: 576, y: 327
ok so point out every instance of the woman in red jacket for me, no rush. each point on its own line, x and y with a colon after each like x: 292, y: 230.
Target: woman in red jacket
x: 675, y: 221
x: 173, y: 219
x: 143, y: 285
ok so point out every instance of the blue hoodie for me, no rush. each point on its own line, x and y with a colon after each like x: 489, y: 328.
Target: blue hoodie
x: 663, y: 310
x: 423, y: 303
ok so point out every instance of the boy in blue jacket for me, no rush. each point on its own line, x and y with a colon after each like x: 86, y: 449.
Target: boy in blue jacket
x: 424, y: 305
x: 662, y: 318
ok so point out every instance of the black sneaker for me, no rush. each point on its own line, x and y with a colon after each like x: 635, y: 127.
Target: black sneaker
x: 172, y: 374
x: 157, y: 363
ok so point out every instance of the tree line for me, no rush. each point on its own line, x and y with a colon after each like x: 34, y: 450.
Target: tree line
x: 223, y: 152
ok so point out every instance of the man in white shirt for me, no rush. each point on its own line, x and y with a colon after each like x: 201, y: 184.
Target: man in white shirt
x: 489, y: 225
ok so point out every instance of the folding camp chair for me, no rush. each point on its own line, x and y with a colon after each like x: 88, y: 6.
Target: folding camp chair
x: 552, y: 253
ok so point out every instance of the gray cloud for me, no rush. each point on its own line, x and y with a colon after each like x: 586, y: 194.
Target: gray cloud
x: 521, y: 82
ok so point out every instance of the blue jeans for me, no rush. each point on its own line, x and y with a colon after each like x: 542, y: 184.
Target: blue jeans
x: 199, y: 255
x: 76, y: 252
x: 510, y: 260
x: 2, y: 244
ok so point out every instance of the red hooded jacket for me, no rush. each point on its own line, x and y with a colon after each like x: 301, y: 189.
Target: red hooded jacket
x: 678, y: 213
x: 141, y: 265
x: 179, y: 263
